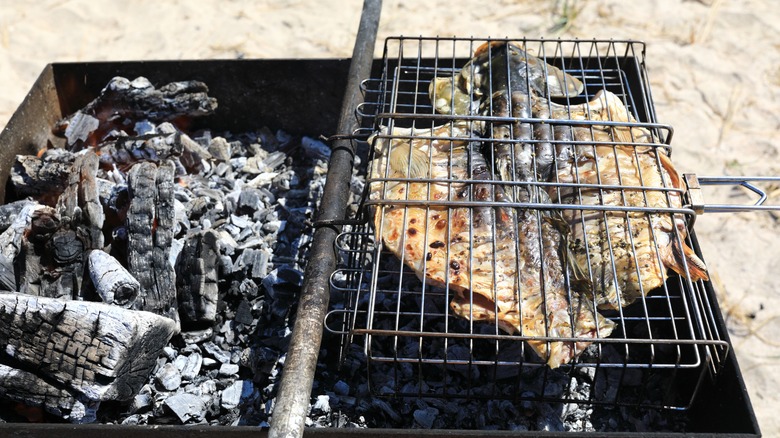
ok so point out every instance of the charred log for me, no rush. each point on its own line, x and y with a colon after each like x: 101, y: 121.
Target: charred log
x: 25, y: 387
x: 113, y: 283
x: 43, y: 178
x: 150, y: 220
x: 122, y: 101
x: 103, y: 352
x: 196, y: 278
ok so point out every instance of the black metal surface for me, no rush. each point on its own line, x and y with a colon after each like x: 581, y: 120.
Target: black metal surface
x: 309, y: 94
x: 292, y: 404
x: 299, y: 96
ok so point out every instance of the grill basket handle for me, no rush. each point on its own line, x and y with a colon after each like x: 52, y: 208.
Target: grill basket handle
x: 696, y: 197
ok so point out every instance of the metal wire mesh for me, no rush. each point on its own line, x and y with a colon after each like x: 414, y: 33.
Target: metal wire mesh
x: 657, y: 350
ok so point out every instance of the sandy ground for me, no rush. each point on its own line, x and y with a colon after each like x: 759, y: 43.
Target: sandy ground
x: 714, y: 68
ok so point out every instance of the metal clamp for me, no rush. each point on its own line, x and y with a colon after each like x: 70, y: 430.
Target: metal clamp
x: 696, y: 197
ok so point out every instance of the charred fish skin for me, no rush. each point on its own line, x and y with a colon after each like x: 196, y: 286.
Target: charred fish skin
x: 504, y: 68
x: 527, y: 72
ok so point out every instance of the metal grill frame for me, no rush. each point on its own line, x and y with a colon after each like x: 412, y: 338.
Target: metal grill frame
x: 395, y: 323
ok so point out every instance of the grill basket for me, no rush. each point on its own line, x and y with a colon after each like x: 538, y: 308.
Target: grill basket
x: 664, y: 345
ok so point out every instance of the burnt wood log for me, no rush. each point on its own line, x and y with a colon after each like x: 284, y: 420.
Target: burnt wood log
x: 79, y: 204
x: 123, y: 100
x: 196, y: 278
x: 113, y: 283
x: 57, y: 263
x: 150, y: 218
x: 36, y: 253
x: 30, y: 221
x: 103, y: 352
x: 42, y: 178
x: 25, y: 387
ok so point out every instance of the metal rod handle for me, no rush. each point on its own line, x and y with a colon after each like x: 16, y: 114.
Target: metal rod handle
x: 292, y: 401
x: 696, y: 197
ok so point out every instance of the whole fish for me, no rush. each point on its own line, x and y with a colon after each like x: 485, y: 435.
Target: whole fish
x: 502, y: 265
x: 627, y: 253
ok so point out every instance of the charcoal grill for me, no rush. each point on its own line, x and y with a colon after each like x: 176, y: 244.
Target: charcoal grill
x: 689, y: 346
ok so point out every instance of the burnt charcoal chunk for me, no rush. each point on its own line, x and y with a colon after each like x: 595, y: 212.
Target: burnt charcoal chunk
x: 43, y: 178
x: 244, y: 313
x: 250, y: 200
x: 197, y: 277
x: 66, y: 246
x: 187, y: 407
x: 9, y: 212
x: 123, y: 100
x: 150, y: 232
x: 113, y: 283
x: 27, y: 388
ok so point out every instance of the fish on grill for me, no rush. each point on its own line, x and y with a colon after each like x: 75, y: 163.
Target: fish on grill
x: 628, y: 252
x: 503, y: 266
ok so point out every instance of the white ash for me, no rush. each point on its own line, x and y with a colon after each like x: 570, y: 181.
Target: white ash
x: 259, y: 191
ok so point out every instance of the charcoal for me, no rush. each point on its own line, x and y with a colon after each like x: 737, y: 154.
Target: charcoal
x: 240, y: 221
x: 197, y: 277
x: 425, y: 417
x: 41, y: 178
x: 549, y: 418
x: 25, y: 387
x: 122, y: 100
x: 150, y: 223
x: 260, y: 265
x: 141, y: 402
x: 11, y: 238
x: 7, y: 277
x: 9, y: 212
x: 243, y: 313
x: 322, y: 404
x: 113, y: 283
x: 191, y: 366
x: 220, y: 149
x: 170, y: 352
x: 216, y: 352
x: 231, y: 396
x: 80, y: 126
x: 341, y: 388
x: 187, y: 407
x: 197, y: 336
x: 169, y: 377
x: 315, y: 149
x: 228, y: 369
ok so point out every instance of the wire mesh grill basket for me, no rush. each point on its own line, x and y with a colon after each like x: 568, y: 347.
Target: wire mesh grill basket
x: 568, y: 196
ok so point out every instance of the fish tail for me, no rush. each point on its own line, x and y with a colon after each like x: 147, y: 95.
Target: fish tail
x: 678, y: 255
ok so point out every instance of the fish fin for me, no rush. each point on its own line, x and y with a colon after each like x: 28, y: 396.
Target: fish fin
x: 579, y: 280
x: 562, y: 84
x: 409, y: 161
x: 666, y: 163
x: 681, y: 254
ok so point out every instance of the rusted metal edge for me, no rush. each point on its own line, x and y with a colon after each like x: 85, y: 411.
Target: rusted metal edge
x: 292, y: 401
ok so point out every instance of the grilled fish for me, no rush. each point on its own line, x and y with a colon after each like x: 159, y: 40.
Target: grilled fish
x: 641, y: 245
x: 474, y: 250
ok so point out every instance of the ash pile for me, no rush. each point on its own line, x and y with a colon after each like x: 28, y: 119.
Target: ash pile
x: 154, y: 270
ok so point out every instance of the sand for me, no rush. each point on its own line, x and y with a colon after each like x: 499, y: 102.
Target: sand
x: 714, y: 68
